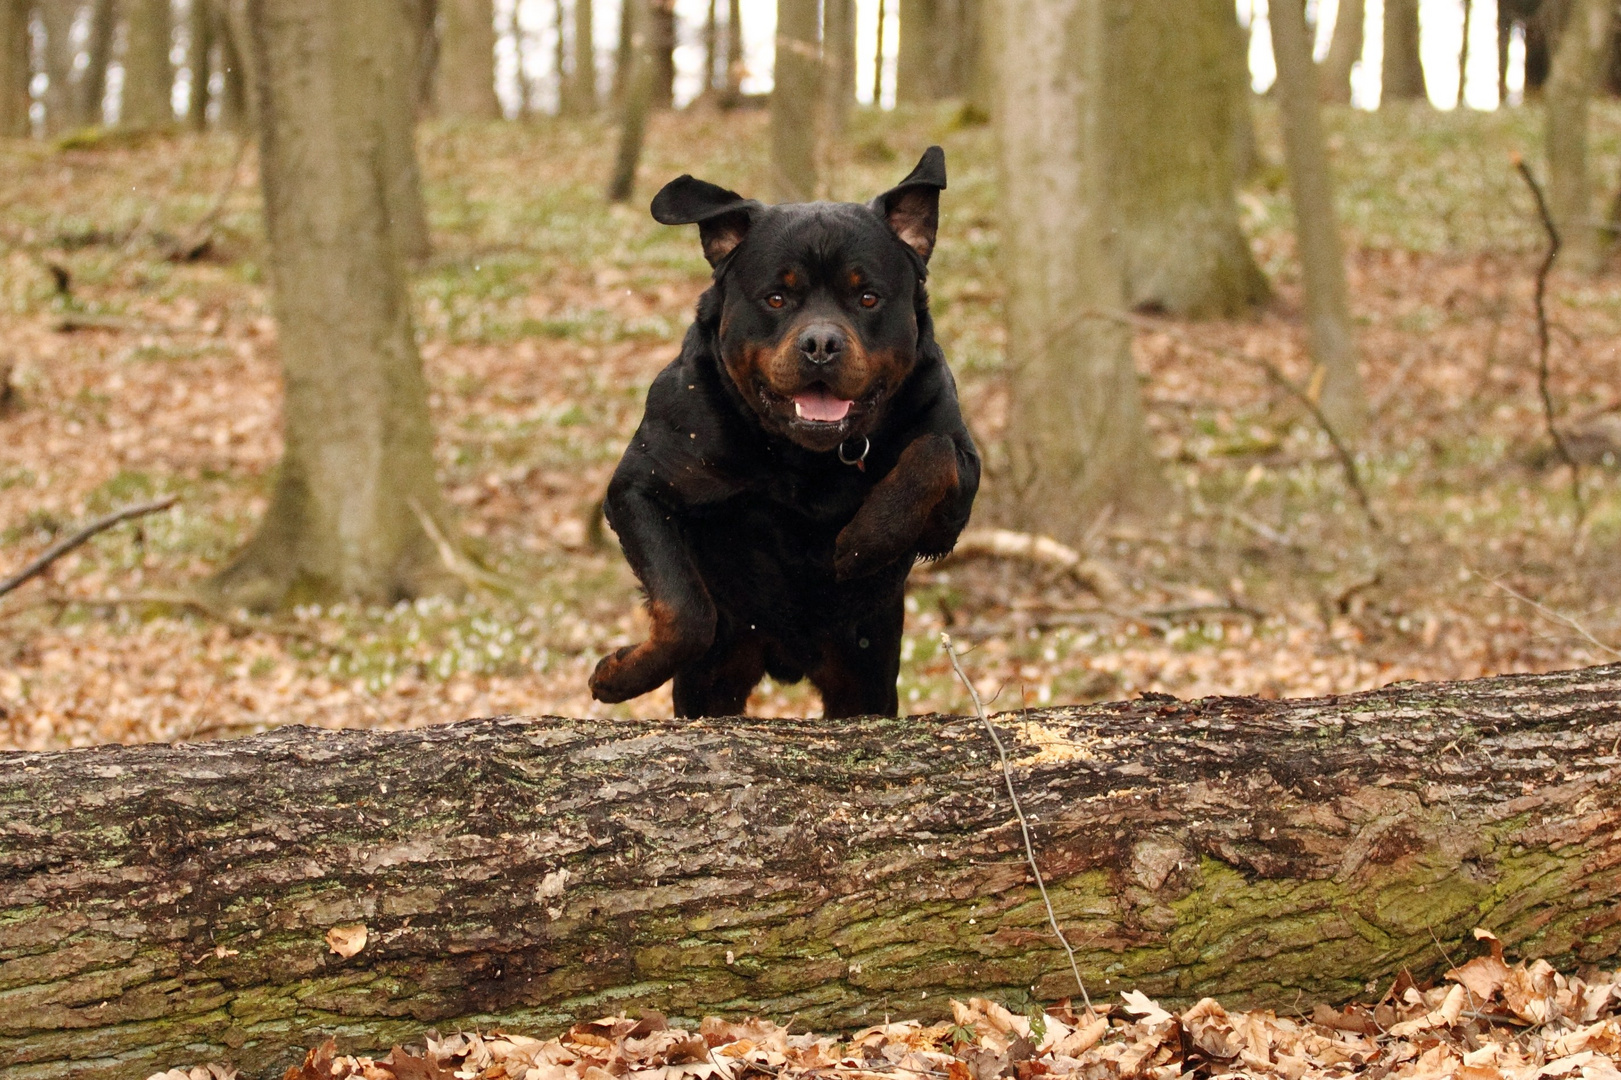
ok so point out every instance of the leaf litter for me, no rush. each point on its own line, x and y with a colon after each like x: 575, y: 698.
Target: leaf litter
x: 1487, y: 1020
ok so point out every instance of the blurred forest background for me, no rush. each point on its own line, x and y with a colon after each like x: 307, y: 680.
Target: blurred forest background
x: 1242, y: 304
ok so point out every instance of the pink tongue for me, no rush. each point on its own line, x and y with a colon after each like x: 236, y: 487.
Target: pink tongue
x: 818, y: 404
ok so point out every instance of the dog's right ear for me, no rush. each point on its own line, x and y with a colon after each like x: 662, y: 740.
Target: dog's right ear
x: 723, y: 217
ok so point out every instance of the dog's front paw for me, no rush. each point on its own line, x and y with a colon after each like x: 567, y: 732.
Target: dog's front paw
x: 628, y: 672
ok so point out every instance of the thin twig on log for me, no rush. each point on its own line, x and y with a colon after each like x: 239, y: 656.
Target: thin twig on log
x: 1549, y: 613
x: 1353, y: 476
x: 1548, y: 258
x: 62, y: 547
x: 1024, y: 826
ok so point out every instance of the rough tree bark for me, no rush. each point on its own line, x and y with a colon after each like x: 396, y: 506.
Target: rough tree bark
x: 15, y: 69
x: 1172, y: 101
x: 1402, y: 72
x: 1317, y: 237
x: 147, y: 100
x: 1344, y: 50
x: 917, y: 51
x: 464, y: 81
x: 794, y: 101
x: 356, y: 479
x: 162, y: 904
x: 1577, y: 68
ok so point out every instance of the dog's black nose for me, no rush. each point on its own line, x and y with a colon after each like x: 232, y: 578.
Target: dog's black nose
x: 821, y: 343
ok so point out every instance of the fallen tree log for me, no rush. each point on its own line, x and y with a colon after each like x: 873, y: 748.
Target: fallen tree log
x: 168, y: 904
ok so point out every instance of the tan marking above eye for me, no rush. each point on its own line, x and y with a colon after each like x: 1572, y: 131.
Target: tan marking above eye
x: 791, y: 279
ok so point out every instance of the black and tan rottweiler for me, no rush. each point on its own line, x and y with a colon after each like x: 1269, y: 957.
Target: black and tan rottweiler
x: 798, y: 456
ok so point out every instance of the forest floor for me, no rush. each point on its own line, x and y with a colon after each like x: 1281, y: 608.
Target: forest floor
x: 544, y: 314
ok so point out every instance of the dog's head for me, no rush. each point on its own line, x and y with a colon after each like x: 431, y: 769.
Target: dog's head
x: 819, y: 302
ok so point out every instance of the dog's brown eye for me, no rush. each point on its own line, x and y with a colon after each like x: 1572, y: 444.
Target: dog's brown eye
x: 775, y: 300
x: 869, y: 299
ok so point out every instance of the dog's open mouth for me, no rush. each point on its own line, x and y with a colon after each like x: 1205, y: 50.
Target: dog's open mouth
x: 820, y: 405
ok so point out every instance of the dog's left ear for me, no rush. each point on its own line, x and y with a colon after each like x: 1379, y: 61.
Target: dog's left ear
x: 912, y: 207
x: 723, y: 217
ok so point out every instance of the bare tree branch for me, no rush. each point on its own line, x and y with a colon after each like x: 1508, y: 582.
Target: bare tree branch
x: 62, y: 547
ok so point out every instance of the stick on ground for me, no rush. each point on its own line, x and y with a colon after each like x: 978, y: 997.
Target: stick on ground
x: 62, y: 547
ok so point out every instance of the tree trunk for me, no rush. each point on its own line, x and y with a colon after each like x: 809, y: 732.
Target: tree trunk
x: 661, y: 52
x: 585, y: 59
x: 560, y: 56
x: 636, y: 70
x: 1576, y: 70
x: 168, y: 904
x: 15, y: 69
x: 1344, y: 50
x: 1317, y: 237
x: 1172, y: 107
x: 878, y: 58
x: 236, y: 104
x: 735, y: 63
x: 1463, y: 53
x: 624, y: 52
x: 402, y: 175
x: 1077, y: 442
x: 464, y: 86
x: 838, y: 66
x: 1246, y: 145
x: 918, y: 51
x: 198, y: 59
x: 794, y: 101
x: 982, y: 92
x: 712, y: 61
x: 1402, y: 74
x: 57, y: 18
x: 357, y: 476
x: 147, y: 97
x: 90, y: 96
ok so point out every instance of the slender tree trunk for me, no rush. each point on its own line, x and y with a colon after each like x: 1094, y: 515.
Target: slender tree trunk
x: 1402, y: 74
x: 736, y: 64
x: 1172, y: 108
x: 464, y: 86
x: 1344, y: 50
x: 918, y: 53
x: 560, y: 54
x: 356, y: 479
x: 1463, y: 52
x: 661, y: 51
x: 711, y: 79
x: 15, y: 69
x: 147, y: 99
x: 422, y: 25
x: 637, y: 71
x: 1246, y: 145
x: 57, y: 18
x: 624, y: 53
x: 1576, y: 71
x: 1317, y: 237
x: 793, y: 101
x: 91, y: 94
x: 168, y: 904
x: 585, y: 59
x: 236, y: 100
x: 1077, y: 442
x: 967, y: 43
x: 878, y: 58
x: 982, y: 92
x: 838, y: 65
x: 199, y: 50
x: 407, y: 210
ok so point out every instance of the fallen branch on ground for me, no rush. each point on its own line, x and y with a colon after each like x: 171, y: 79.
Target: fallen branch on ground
x: 62, y: 547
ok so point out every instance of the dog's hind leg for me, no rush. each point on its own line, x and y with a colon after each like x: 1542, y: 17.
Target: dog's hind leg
x: 719, y: 683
